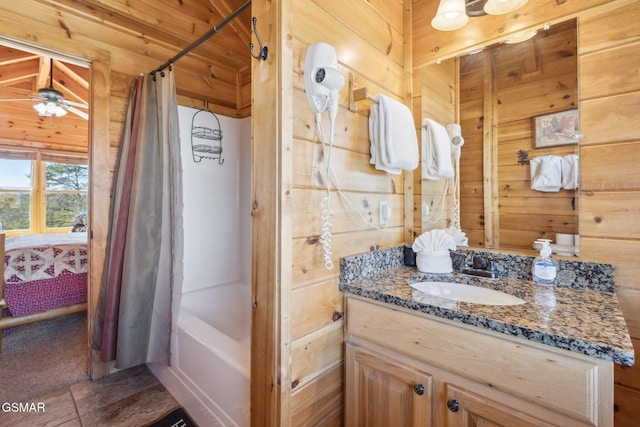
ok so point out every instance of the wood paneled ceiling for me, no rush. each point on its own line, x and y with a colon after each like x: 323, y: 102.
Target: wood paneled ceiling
x: 170, y: 23
x: 21, y: 75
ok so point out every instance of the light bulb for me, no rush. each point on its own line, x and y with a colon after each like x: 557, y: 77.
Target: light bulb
x: 51, y: 107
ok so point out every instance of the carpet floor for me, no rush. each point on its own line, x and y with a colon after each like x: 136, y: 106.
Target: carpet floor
x: 43, y: 356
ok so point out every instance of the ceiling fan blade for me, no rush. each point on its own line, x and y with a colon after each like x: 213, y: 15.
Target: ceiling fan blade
x: 19, y: 99
x: 78, y: 112
x: 75, y: 104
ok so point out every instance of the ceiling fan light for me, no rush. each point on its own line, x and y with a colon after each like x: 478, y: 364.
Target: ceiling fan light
x: 60, y: 112
x: 451, y: 15
x: 500, y: 7
x: 51, y: 107
x: 41, y: 108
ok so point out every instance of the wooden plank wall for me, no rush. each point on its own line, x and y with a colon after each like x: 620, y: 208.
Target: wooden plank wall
x: 609, y: 47
x: 550, y: 85
x: 438, y: 101
x: 609, y: 99
x: 267, y: 271
x: 471, y: 159
x: 545, y: 69
x: 376, y: 60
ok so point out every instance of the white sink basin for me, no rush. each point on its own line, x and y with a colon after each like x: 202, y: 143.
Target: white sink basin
x: 466, y: 293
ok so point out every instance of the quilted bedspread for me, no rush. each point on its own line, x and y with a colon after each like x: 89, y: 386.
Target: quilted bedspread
x: 39, y: 278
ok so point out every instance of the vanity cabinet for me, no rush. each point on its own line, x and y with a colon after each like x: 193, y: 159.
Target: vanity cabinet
x: 405, y: 368
x: 382, y: 392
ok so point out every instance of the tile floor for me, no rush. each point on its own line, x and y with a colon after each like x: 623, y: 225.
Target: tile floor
x: 131, y: 398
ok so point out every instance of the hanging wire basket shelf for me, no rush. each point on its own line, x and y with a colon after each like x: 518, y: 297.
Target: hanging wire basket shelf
x: 206, y: 142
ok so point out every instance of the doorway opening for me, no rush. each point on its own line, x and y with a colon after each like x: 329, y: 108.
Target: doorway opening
x: 44, y: 204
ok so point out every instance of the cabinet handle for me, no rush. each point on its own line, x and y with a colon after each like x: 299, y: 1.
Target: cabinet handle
x: 419, y: 389
x: 453, y: 405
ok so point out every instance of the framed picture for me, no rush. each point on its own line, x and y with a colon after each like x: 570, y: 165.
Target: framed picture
x: 557, y: 129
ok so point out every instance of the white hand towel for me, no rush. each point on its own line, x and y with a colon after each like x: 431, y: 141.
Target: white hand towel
x: 436, y: 151
x: 399, y: 134
x: 376, y: 143
x: 570, y: 172
x: 393, y: 136
x: 546, y: 173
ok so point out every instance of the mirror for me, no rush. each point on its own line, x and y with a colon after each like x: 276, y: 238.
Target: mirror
x: 498, y: 95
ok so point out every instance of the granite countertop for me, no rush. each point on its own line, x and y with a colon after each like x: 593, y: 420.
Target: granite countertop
x: 584, y: 321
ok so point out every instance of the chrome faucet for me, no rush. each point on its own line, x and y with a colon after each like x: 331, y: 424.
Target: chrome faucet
x: 476, y: 265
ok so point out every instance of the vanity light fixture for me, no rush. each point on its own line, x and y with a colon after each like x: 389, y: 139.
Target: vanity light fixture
x: 521, y: 37
x: 454, y: 14
x: 524, y: 36
x: 451, y: 15
x: 500, y: 7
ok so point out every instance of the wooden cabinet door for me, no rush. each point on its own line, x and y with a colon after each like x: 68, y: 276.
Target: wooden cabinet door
x: 466, y: 409
x: 381, y: 392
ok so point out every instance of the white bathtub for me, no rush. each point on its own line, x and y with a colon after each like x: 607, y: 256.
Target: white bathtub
x: 210, y: 357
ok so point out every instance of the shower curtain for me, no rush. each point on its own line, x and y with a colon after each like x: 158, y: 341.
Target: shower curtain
x: 144, y: 247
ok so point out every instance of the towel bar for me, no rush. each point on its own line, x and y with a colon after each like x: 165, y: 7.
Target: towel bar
x: 356, y: 95
x: 363, y: 93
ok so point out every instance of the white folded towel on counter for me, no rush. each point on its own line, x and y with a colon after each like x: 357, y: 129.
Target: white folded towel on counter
x: 434, y: 240
x: 436, y: 151
x: 570, y: 172
x: 459, y: 236
x: 394, y: 144
x: 546, y: 173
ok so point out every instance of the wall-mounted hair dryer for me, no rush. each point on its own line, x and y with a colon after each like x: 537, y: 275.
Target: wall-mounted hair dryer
x: 322, y: 81
x: 457, y: 141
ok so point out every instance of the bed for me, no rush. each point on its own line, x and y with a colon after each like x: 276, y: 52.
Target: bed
x: 45, y: 276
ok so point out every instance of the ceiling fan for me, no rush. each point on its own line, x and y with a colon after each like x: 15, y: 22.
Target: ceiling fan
x: 51, y: 101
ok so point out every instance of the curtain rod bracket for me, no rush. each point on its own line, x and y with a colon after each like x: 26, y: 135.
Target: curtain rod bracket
x: 263, y: 50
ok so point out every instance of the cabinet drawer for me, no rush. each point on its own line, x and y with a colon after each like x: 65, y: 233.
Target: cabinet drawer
x: 576, y: 385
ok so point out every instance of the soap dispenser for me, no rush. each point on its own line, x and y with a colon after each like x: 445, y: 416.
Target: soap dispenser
x: 544, y: 268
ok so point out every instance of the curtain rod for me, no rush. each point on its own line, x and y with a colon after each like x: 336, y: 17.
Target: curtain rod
x: 204, y: 38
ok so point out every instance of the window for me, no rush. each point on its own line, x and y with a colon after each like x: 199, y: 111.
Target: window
x: 65, y: 193
x: 44, y: 193
x: 15, y: 194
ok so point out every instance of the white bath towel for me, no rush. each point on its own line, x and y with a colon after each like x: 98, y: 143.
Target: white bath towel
x: 436, y: 151
x: 394, y: 144
x: 546, y: 173
x: 570, y: 172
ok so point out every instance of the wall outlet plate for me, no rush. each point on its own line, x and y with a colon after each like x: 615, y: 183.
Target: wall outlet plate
x: 385, y: 213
